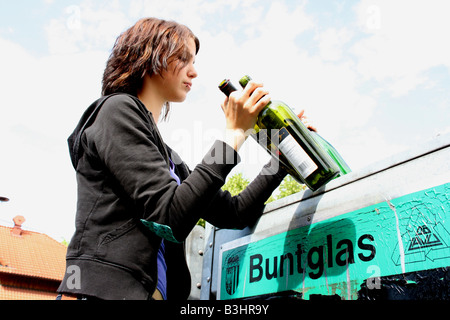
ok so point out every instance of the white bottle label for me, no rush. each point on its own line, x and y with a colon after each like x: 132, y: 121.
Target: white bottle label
x: 295, y: 154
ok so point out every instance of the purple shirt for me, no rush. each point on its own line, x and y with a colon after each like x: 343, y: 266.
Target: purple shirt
x: 161, y: 262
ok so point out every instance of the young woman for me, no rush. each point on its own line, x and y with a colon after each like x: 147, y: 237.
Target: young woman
x: 137, y: 200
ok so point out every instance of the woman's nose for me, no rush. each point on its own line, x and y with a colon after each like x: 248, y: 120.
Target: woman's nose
x: 192, y: 73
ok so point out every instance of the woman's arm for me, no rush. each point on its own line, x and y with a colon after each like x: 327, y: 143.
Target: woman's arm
x: 246, y: 208
x: 122, y: 138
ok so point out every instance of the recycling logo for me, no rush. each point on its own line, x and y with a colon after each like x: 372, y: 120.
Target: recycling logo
x: 423, y: 236
x: 424, y: 239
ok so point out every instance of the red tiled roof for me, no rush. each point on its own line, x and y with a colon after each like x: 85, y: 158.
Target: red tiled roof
x: 31, y: 254
x: 13, y: 293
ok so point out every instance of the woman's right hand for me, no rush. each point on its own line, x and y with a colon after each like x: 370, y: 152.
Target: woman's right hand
x: 241, y: 110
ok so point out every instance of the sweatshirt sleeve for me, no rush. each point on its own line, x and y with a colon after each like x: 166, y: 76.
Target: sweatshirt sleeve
x: 244, y: 209
x: 124, y: 140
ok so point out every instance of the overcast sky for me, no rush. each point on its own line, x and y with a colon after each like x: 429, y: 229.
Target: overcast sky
x: 373, y: 76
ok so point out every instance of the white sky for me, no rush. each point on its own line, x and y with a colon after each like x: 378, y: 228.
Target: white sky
x: 373, y: 76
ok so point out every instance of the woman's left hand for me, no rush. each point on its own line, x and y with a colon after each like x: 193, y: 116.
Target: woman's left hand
x: 305, y: 121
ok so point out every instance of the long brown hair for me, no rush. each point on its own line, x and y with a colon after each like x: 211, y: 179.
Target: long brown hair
x: 148, y: 47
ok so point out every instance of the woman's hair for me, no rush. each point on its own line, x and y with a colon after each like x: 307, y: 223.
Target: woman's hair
x: 148, y: 47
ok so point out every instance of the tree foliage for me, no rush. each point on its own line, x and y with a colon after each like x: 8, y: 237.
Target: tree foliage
x: 236, y: 184
x: 289, y: 186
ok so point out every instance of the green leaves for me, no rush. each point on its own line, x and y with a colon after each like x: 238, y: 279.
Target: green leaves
x: 236, y: 184
x: 288, y: 186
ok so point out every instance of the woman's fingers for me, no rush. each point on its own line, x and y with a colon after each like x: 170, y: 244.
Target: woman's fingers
x: 242, y: 108
x: 305, y: 121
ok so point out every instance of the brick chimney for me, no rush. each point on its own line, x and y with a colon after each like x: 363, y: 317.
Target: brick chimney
x: 17, y: 229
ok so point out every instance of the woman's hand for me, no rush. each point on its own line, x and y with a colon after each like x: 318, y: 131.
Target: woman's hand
x: 241, y: 110
x: 305, y: 121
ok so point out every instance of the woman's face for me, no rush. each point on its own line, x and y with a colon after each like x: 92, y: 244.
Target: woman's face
x: 176, y: 83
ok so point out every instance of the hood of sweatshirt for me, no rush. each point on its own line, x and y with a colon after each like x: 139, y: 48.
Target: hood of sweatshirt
x: 88, y: 118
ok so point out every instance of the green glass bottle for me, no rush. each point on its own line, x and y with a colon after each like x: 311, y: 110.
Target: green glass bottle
x: 281, y: 133
x: 344, y: 168
x: 261, y: 137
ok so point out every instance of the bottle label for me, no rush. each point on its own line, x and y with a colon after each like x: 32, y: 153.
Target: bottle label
x: 295, y: 154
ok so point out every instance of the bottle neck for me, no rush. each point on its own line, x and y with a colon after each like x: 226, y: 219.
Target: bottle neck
x: 227, y: 87
x: 244, y: 81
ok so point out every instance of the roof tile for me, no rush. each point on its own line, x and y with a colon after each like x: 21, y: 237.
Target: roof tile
x: 31, y: 254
